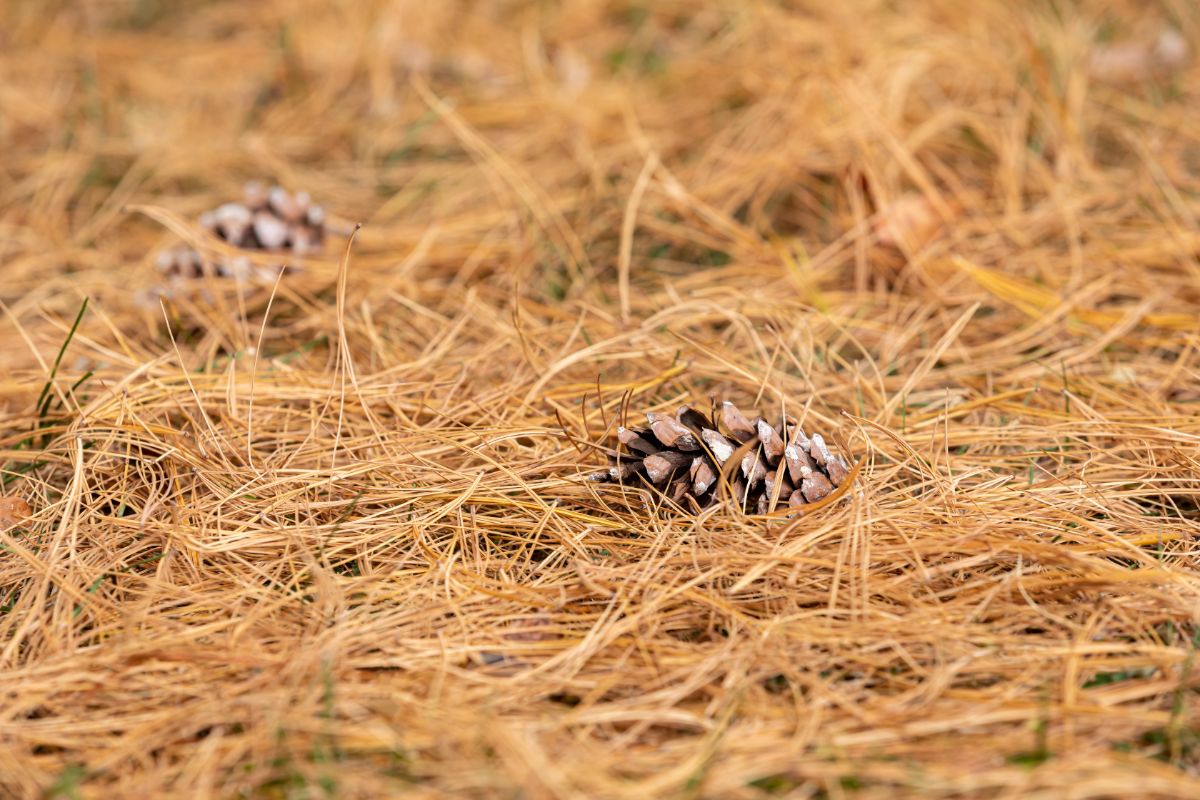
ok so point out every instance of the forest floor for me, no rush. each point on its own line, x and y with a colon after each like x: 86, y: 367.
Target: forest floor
x: 329, y: 533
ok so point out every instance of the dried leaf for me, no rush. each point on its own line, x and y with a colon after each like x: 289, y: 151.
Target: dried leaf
x: 911, y: 222
x: 13, y: 509
x: 1140, y: 59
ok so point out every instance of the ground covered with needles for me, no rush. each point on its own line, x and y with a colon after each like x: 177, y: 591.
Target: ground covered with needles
x: 327, y: 533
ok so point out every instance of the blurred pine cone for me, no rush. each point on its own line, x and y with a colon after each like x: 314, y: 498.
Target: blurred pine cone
x: 682, y: 457
x: 273, y: 220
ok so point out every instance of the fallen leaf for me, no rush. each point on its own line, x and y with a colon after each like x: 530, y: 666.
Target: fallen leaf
x: 573, y: 71
x: 1139, y: 59
x: 12, y: 510
x: 910, y: 221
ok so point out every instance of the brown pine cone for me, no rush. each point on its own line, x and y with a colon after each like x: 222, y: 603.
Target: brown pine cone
x: 269, y: 220
x: 682, y: 457
x: 273, y: 220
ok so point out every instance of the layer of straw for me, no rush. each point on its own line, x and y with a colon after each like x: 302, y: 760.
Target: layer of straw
x: 329, y: 536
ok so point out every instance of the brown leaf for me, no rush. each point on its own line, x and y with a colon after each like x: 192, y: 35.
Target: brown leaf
x: 911, y: 222
x: 13, y: 509
x: 1139, y: 59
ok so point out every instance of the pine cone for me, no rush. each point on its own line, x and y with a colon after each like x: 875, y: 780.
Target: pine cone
x: 682, y: 457
x: 273, y: 220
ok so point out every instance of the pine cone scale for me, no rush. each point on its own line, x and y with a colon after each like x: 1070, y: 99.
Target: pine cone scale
x: 672, y: 433
x: 722, y: 449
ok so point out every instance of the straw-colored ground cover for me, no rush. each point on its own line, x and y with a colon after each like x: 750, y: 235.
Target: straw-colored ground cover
x: 329, y: 538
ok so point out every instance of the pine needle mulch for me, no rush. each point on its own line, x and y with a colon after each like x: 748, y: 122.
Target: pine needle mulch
x: 328, y: 536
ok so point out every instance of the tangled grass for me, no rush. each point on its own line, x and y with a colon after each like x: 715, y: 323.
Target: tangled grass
x: 328, y: 536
